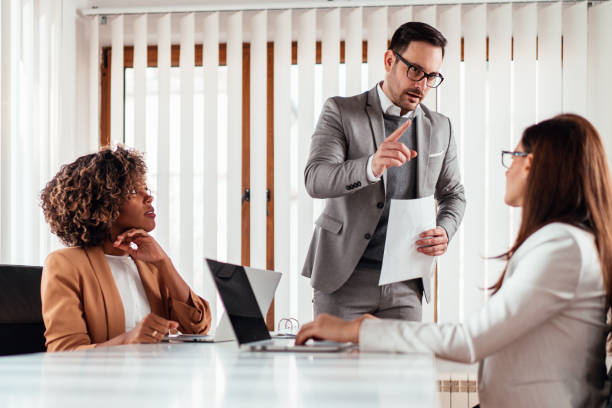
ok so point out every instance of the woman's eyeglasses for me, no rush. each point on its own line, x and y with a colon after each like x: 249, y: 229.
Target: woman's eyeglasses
x: 134, y: 192
x: 507, y: 157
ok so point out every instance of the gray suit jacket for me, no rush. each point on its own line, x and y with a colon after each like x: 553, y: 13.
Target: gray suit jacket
x: 348, y: 132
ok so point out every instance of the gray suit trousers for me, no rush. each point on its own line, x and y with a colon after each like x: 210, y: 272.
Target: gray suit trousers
x: 361, y: 294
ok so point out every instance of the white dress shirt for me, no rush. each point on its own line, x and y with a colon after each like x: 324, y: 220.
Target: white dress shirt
x: 133, y: 296
x: 389, y: 108
x: 540, y: 340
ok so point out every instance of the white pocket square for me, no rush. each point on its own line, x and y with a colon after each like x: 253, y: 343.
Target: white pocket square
x: 436, y: 154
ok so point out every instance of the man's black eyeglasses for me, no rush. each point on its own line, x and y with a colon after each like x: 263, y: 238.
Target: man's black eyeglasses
x: 415, y: 73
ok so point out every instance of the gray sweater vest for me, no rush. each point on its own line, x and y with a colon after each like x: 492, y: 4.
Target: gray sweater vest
x: 401, y: 184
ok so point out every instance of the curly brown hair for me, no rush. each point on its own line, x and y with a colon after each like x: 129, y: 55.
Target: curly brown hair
x: 82, y: 201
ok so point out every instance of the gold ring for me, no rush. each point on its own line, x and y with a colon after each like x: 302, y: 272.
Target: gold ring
x: 154, y: 333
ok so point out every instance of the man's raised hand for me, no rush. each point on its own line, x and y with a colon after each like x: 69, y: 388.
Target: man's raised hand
x: 391, y: 152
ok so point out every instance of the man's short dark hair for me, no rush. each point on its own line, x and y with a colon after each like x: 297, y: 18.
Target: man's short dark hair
x: 416, y: 31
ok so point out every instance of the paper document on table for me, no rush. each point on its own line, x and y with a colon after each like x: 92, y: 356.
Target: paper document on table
x: 407, y: 220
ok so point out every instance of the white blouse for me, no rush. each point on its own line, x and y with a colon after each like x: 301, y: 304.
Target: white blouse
x: 133, y: 296
x: 540, y: 340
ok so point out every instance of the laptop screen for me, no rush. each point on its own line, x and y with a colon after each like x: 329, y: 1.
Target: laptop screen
x: 239, y: 301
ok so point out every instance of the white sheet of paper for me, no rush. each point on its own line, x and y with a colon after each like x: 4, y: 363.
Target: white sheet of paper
x: 407, y: 220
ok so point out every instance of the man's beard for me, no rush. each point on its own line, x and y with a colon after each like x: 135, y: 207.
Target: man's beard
x: 412, y: 92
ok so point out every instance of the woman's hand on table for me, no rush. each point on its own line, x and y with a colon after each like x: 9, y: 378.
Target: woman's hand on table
x: 328, y: 327
x: 151, y: 329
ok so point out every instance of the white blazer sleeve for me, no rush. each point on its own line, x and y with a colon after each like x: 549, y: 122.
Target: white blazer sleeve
x: 542, y: 281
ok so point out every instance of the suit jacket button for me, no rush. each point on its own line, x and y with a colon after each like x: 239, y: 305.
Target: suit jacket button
x: 359, y: 184
x: 367, y: 236
x: 348, y: 187
x: 380, y: 205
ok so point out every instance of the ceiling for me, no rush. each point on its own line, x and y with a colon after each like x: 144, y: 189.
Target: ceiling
x: 244, y: 4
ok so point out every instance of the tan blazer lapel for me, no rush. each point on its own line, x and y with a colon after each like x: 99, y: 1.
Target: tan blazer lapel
x: 423, y: 138
x: 151, y: 287
x: 377, y: 123
x: 115, y: 314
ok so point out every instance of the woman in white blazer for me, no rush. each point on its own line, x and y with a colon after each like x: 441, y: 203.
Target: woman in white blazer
x: 540, y: 339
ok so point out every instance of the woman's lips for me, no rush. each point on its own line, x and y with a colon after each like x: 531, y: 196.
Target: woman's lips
x: 150, y: 214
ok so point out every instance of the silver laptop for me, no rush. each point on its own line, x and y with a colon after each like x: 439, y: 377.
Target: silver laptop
x: 264, y: 284
x: 245, y: 315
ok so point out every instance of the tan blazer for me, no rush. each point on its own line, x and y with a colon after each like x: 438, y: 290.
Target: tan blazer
x: 81, y: 305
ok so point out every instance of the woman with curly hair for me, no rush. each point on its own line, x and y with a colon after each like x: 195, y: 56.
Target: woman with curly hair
x: 114, y: 284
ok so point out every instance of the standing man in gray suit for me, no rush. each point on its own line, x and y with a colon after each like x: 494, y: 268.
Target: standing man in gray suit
x: 366, y: 150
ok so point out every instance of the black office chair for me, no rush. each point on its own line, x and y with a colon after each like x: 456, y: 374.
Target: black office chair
x: 21, y: 325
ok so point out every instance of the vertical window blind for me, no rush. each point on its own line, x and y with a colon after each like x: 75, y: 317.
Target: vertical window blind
x: 45, y: 118
x: 507, y: 65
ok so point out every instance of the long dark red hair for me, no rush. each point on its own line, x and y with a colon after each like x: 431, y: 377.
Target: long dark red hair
x: 568, y: 182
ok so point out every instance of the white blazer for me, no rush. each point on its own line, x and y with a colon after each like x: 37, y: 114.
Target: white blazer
x: 540, y: 340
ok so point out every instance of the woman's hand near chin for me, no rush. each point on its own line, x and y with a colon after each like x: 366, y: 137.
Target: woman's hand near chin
x: 147, y: 248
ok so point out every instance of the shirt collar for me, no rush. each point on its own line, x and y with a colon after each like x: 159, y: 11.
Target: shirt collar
x: 388, y: 107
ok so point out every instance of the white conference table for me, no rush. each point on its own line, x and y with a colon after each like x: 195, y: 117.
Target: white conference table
x: 216, y: 375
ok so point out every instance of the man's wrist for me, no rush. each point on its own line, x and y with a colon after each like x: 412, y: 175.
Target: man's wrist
x: 372, y: 178
x: 445, y: 230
